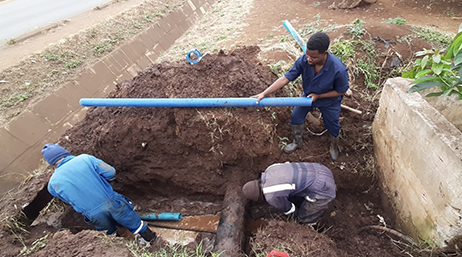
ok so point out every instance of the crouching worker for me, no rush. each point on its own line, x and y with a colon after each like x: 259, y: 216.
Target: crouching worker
x: 302, y: 190
x: 82, y: 182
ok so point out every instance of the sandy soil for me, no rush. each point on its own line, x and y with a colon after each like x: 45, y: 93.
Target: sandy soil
x: 192, y: 154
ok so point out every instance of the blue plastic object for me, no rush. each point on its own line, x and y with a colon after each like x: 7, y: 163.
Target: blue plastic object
x: 295, y: 35
x: 193, y: 60
x: 163, y: 216
x: 196, y: 102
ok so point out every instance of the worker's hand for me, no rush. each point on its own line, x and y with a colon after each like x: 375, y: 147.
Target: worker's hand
x: 259, y: 97
x: 313, y: 96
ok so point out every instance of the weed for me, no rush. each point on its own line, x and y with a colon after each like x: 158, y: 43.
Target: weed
x: 11, y: 42
x: 100, y: 48
x: 273, y: 116
x: 440, y: 39
x: 169, y: 250
x: 311, y: 27
x: 357, y: 29
x: 16, y: 227
x: 36, y: 245
x: 51, y: 57
x: 369, y: 72
x: 343, y: 49
x: 72, y: 64
x: 270, y: 35
x: 397, y: 20
x: 283, y: 141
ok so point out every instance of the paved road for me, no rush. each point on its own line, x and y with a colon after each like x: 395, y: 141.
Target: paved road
x: 21, y: 16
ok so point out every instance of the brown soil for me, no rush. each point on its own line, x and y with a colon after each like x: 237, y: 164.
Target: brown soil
x: 170, y: 158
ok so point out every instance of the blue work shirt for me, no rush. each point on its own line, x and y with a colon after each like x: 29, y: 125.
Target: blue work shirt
x: 332, y: 76
x: 82, y: 182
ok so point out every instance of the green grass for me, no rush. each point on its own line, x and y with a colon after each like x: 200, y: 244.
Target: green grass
x: 397, y: 20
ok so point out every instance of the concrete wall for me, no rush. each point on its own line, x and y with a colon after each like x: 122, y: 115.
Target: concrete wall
x: 21, y: 140
x: 419, y: 153
x: 449, y: 107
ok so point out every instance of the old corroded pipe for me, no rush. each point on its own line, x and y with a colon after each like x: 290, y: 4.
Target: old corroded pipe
x: 196, y: 102
x: 230, y: 233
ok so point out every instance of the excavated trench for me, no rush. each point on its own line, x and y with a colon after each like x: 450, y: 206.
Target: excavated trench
x: 194, y: 160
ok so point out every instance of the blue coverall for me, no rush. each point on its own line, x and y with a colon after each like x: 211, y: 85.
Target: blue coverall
x: 332, y: 76
x: 82, y: 182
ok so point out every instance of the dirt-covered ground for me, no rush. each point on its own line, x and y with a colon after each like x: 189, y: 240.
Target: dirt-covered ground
x: 170, y: 158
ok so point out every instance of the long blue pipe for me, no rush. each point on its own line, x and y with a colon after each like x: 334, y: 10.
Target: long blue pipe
x: 295, y: 35
x: 196, y: 102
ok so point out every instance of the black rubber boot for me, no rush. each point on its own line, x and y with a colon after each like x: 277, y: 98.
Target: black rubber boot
x: 148, y: 235
x: 334, y: 147
x: 297, y: 131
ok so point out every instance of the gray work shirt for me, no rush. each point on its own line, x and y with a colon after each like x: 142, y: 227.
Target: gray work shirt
x: 283, y: 181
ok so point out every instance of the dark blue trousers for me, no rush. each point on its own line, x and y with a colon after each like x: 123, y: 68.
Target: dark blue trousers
x: 330, y: 114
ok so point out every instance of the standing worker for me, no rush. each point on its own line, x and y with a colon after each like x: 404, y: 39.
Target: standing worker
x: 302, y: 190
x: 83, y: 182
x: 325, y: 80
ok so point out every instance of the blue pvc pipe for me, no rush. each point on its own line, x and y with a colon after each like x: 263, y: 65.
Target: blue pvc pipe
x: 163, y: 216
x: 196, y: 102
x: 295, y: 35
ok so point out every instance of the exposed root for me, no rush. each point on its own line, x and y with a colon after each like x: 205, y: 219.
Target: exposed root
x: 391, y: 231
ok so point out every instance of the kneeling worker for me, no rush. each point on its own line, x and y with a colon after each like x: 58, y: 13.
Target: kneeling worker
x: 82, y: 182
x: 303, y: 189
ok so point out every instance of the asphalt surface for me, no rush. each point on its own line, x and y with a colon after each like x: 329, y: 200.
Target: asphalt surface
x: 18, y: 17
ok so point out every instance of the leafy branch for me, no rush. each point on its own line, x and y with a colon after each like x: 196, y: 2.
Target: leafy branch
x: 436, y: 69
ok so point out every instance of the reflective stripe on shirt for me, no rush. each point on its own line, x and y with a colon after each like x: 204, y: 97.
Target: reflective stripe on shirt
x: 292, y: 209
x: 277, y: 188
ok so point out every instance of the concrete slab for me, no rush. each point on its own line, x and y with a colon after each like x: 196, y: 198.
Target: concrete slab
x: 72, y: 93
x: 152, y: 56
x: 53, y: 109
x: 94, y: 83
x: 155, y: 33
x: 175, y: 17
x: 143, y: 62
x: 12, y: 147
x: 188, y: 9
x: 100, y: 75
x: 134, y: 69
x: 192, y: 5
x: 28, y: 127
x: 165, y: 25
x: 112, y: 62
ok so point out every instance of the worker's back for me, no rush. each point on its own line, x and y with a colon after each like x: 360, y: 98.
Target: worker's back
x: 82, y: 181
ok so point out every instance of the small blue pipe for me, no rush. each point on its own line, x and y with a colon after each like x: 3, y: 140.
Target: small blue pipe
x: 163, y: 216
x: 295, y: 35
x: 196, y: 102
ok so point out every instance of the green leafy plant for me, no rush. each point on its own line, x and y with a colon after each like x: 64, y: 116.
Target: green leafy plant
x: 357, y: 29
x: 436, y: 69
x: 397, y: 20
